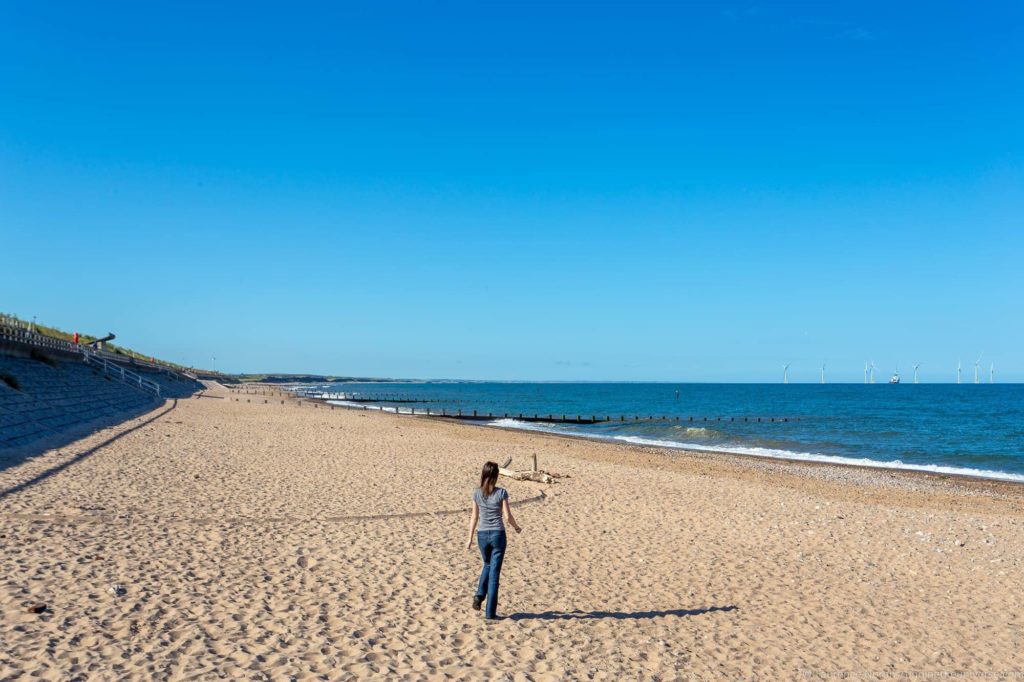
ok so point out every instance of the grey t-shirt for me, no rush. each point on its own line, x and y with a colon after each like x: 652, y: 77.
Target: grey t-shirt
x: 490, y: 509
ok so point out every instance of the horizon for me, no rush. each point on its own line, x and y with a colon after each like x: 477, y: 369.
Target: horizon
x: 574, y: 193
x: 345, y: 379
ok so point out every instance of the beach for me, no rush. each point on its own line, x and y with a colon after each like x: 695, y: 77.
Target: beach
x: 254, y: 537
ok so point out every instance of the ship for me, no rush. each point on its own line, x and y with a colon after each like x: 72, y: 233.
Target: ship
x: 895, y: 378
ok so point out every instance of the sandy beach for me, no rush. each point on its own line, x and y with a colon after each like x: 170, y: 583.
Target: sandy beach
x: 219, y: 538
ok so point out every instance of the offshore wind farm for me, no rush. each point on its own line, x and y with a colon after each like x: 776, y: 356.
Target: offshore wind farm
x: 870, y: 367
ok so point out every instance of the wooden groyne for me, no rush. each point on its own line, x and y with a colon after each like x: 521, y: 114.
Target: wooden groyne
x: 478, y: 415
x: 358, y: 402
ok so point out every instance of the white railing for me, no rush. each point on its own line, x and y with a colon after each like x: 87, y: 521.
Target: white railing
x: 18, y: 331
x: 125, y: 375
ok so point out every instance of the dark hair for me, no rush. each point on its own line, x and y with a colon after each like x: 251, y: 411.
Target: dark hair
x: 488, y: 478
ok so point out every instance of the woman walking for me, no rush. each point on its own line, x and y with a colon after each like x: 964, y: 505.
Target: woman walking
x: 490, y: 503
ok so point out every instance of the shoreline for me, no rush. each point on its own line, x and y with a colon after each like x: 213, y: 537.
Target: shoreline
x: 790, y: 467
x: 975, y: 483
x: 833, y: 460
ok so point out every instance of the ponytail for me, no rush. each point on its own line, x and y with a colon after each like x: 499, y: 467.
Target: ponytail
x: 488, y: 479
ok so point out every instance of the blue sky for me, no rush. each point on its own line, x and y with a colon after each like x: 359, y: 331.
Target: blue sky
x: 520, y: 191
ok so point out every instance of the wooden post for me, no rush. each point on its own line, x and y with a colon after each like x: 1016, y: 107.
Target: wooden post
x: 535, y: 461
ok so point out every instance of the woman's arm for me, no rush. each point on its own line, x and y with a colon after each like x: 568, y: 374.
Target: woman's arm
x: 508, y: 515
x: 472, y: 525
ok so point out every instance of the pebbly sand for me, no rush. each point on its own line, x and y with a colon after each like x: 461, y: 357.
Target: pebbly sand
x: 221, y: 538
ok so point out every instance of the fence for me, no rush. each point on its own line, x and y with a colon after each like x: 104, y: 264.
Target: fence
x: 18, y: 331
x: 125, y: 375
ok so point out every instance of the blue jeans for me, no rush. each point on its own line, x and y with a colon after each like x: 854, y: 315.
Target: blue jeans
x: 492, y: 549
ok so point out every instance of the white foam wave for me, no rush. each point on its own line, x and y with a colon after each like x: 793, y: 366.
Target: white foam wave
x: 379, y: 408
x: 771, y: 453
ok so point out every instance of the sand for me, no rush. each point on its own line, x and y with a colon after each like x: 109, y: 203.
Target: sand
x: 218, y: 538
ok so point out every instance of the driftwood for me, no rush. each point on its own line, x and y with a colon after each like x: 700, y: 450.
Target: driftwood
x: 538, y: 476
x: 533, y: 474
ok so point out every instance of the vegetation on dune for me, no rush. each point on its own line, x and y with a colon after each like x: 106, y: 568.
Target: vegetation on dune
x: 85, y: 339
x: 307, y: 379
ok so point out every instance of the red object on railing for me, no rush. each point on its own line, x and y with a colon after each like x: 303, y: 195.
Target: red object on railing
x: 75, y: 338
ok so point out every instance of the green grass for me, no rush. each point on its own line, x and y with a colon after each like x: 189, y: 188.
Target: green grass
x: 54, y: 332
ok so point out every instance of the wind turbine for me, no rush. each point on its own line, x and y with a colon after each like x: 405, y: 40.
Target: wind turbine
x: 823, y: 371
x: 865, y: 372
x: 915, y: 371
x: 785, y: 372
x: 958, y: 371
x: 872, y: 371
x: 976, y: 363
x: 992, y: 373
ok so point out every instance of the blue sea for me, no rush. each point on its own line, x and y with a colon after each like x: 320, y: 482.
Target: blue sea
x: 967, y: 429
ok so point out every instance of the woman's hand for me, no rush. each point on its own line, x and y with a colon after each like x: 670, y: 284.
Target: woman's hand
x: 469, y: 543
x: 519, y: 529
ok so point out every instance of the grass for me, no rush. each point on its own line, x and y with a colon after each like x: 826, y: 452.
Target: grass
x: 56, y: 333
x: 10, y: 380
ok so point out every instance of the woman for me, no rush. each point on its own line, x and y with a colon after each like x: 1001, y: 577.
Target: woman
x: 489, y: 504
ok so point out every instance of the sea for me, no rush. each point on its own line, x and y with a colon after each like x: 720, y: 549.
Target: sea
x: 962, y: 429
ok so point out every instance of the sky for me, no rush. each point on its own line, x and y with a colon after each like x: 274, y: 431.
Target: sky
x: 534, y: 191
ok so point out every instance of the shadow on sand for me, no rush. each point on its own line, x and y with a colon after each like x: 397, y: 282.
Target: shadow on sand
x: 59, y: 441
x: 617, y: 615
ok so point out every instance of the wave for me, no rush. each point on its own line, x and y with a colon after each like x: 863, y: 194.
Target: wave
x: 768, y: 453
x: 701, y: 431
x: 379, y: 408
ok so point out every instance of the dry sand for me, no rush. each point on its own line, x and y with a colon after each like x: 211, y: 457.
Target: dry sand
x: 269, y: 541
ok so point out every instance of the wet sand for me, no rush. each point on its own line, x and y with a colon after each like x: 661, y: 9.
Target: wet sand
x: 246, y: 540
